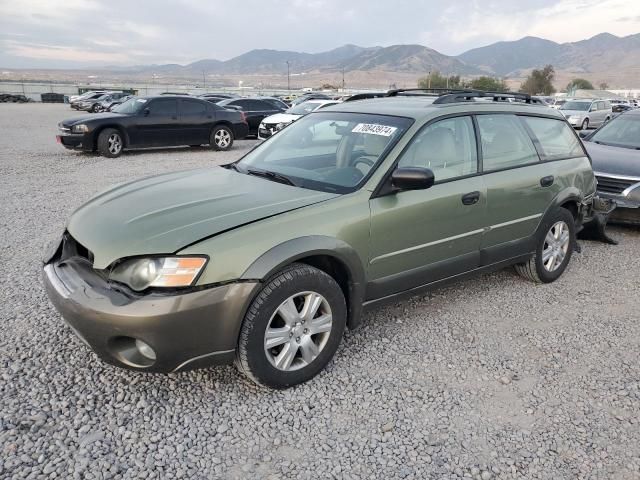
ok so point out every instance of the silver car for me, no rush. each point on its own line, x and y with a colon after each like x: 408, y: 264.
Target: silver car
x: 588, y: 113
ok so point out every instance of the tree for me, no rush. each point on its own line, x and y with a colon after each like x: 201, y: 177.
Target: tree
x: 579, y: 84
x: 540, y: 82
x: 437, y: 80
x: 603, y: 86
x: 489, y: 84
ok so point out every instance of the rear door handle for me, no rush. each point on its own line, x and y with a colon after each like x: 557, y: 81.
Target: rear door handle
x: 471, y: 198
x: 547, y: 181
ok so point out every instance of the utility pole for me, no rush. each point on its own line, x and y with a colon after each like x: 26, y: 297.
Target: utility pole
x: 429, y: 79
x: 342, y: 79
x: 288, y: 76
x: 204, y: 80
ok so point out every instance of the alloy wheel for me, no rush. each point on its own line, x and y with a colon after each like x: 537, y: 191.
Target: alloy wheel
x: 556, y: 246
x: 222, y: 138
x: 298, y: 331
x: 114, y: 144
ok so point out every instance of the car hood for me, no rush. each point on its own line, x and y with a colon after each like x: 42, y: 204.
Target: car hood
x: 569, y: 113
x: 165, y: 213
x: 281, y: 118
x: 91, y: 118
x: 614, y: 160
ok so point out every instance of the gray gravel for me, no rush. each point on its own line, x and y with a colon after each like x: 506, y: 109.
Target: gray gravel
x: 489, y: 379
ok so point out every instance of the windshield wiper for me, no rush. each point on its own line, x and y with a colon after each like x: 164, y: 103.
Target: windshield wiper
x: 273, y: 176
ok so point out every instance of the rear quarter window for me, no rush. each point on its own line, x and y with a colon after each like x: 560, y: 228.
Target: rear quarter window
x: 556, y: 138
x: 505, y: 142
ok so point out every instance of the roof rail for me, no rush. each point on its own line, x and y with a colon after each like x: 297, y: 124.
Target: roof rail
x: 426, y: 91
x: 469, y: 96
x: 364, y: 96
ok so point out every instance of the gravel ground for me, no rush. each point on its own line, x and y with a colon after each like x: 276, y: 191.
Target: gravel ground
x: 492, y: 378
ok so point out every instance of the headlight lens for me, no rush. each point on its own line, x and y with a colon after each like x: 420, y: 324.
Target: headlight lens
x: 167, y: 272
x: 82, y: 128
x: 280, y: 126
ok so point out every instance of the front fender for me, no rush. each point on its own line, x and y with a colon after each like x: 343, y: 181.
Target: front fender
x: 311, y: 246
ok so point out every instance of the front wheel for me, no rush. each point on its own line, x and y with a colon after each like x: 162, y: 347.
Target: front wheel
x: 585, y: 124
x: 553, y: 249
x: 293, y: 327
x: 110, y: 143
x: 221, y: 138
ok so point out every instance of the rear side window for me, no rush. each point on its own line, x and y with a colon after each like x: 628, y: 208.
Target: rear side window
x: 556, y: 138
x: 505, y: 142
x: 193, y: 107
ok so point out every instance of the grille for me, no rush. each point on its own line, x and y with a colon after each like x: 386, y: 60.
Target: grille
x: 613, y: 185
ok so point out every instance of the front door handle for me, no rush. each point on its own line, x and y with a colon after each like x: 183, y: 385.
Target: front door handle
x: 471, y: 198
x: 547, y: 181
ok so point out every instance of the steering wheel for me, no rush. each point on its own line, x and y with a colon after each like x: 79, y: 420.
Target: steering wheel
x: 365, y: 160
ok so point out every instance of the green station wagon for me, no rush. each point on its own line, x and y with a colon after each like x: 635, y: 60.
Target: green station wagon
x: 265, y: 261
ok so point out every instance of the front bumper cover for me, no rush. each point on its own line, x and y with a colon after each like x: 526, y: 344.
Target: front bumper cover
x: 186, y: 330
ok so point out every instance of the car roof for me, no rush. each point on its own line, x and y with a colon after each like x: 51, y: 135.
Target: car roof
x: 418, y: 107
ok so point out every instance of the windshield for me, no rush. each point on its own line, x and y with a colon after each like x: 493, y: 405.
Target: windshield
x: 582, y: 106
x: 303, y: 108
x: 328, y: 151
x: 622, y: 131
x: 133, y: 105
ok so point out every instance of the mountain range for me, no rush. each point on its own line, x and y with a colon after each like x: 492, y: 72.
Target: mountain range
x: 596, y: 55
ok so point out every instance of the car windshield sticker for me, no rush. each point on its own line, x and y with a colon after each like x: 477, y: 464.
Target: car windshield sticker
x: 373, y: 129
x: 141, y: 100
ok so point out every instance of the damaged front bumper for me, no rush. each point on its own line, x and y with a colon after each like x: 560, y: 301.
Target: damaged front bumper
x: 595, y: 215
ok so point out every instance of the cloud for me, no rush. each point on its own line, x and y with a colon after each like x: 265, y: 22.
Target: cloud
x: 76, y: 33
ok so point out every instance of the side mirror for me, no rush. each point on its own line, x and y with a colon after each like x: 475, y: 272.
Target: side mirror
x: 412, y: 178
x: 583, y: 134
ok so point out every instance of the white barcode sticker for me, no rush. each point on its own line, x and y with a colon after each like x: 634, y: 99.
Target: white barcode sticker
x: 374, y: 129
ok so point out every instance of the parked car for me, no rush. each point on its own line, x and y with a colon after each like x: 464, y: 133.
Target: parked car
x: 277, y: 122
x: 87, y: 99
x: 217, y: 96
x: 96, y: 105
x: 157, y: 121
x: 558, y: 103
x: 255, y: 109
x: 110, y: 102
x: 620, y: 108
x: 74, y: 98
x: 615, y: 152
x: 310, y: 96
x: 265, y: 261
x: 584, y: 114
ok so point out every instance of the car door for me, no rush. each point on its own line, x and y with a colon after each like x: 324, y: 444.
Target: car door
x: 259, y: 111
x: 421, y: 236
x: 195, y: 121
x: 519, y: 186
x: 158, y: 123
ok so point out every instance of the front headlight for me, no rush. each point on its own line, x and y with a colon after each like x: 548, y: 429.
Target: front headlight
x: 280, y: 126
x: 82, y: 128
x: 166, y: 272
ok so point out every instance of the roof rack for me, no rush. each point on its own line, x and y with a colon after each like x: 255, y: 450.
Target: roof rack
x: 469, y: 96
x: 430, y: 92
x: 364, y: 96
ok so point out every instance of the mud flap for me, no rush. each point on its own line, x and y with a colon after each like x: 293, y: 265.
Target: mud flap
x: 595, y: 222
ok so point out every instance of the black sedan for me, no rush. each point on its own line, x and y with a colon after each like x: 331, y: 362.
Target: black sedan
x: 615, y: 152
x: 160, y: 121
x: 256, y: 109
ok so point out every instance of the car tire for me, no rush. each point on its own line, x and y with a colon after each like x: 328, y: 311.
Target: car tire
x: 221, y: 138
x: 554, y: 248
x: 95, y: 108
x: 277, y: 346
x: 585, y: 124
x: 110, y: 143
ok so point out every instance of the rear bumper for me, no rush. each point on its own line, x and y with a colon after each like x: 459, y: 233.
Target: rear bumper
x: 185, y: 330
x: 627, y: 209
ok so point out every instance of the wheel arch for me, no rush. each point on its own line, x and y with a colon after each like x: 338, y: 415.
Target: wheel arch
x: 335, y: 257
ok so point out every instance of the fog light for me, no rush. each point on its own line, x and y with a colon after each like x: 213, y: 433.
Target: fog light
x: 145, y: 350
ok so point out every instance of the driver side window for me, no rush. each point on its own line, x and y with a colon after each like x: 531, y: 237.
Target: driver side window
x: 447, y: 147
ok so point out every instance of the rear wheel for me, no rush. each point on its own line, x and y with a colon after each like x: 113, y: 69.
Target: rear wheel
x: 110, y: 143
x: 553, y: 249
x: 293, y: 327
x: 221, y: 138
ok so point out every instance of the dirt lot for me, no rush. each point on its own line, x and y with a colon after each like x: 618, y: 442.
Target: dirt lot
x: 492, y: 378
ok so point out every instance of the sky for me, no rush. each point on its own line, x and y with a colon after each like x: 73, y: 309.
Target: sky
x: 78, y: 33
